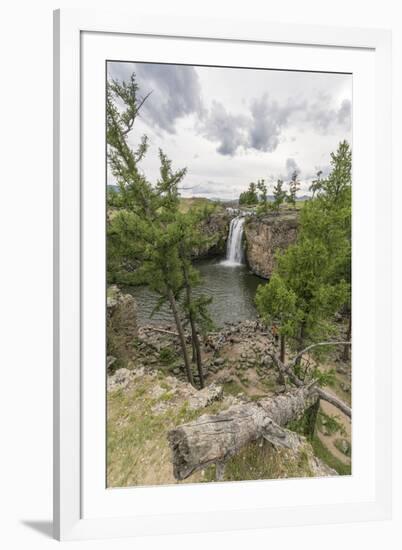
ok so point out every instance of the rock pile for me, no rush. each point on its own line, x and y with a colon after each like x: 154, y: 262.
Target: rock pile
x: 122, y: 326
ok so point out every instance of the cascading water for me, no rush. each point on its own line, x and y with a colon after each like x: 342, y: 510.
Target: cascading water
x: 234, y: 247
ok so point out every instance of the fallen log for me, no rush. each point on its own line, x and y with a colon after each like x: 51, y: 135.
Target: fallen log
x: 213, y: 439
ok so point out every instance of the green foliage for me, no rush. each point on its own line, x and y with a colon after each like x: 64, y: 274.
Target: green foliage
x: 276, y: 303
x: 294, y: 186
x: 316, y: 184
x: 312, y: 280
x: 324, y: 378
x: 259, y: 460
x: 147, y: 231
x: 330, y: 423
x: 263, y: 198
x: 279, y: 195
x: 249, y: 197
x: 167, y: 356
x: 321, y: 451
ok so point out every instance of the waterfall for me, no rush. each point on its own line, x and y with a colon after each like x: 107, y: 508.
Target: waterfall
x: 234, y: 247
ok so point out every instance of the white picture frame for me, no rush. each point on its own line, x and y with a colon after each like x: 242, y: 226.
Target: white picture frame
x: 83, y: 506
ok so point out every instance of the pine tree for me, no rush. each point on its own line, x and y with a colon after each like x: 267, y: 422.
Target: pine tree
x: 279, y: 195
x: 249, y: 197
x: 294, y: 186
x: 311, y: 282
x: 146, y: 229
x: 263, y: 199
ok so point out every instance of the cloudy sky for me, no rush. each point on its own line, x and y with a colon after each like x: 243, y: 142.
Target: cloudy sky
x: 233, y: 126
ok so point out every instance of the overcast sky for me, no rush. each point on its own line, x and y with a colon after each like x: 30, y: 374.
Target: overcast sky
x: 233, y: 126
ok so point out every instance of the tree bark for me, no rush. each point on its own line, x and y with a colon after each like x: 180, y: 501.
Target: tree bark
x: 326, y: 396
x: 298, y: 357
x: 282, y: 379
x: 182, y: 338
x: 346, y: 349
x: 197, y: 353
x: 213, y: 439
x: 311, y: 419
x: 194, y: 336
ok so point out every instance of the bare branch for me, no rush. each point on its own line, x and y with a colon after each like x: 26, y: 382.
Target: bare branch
x: 130, y: 123
x: 163, y: 331
x: 311, y: 346
x: 326, y: 396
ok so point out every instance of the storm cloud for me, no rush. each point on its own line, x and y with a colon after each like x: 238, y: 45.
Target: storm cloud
x: 260, y: 129
x: 230, y: 126
x: 268, y: 119
x: 175, y: 92
x: 327, y: 119
x: 230, y: 131
x: 291, y: 167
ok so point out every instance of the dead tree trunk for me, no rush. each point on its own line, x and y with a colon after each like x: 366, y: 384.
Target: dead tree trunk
x: 346, y: 348
x: 213, y: 439
x: 283, y: 357
x: 288, y: 369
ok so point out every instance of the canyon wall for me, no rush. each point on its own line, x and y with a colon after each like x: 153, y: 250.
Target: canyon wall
x: 266, y: 235
x: 216, y: 228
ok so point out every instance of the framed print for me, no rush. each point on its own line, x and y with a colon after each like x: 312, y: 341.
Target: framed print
x: 222, y: 215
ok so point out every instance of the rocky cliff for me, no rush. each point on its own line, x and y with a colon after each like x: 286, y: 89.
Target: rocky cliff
x: 265, y: 236
x: 216, y: 228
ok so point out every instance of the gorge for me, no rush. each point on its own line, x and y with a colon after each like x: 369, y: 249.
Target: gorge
x: 241, y: 258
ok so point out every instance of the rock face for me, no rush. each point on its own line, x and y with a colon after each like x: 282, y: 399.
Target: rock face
x: 122, y: 326
x: 265, y: 236
x: 216, y: 229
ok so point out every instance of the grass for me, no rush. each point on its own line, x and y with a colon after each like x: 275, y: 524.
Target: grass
x: 137, y: 446
x: 197, y: 202
x: 232, y: 388
x: 167, y: 356
x: 260, y: 461
x: 321, y: 451
x: 330, y: 423
x: 138, y: 452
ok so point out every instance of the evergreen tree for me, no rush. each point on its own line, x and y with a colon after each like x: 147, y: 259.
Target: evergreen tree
x: 315, y: 271
x: 249, y: 197
x: 279, y: 195
x: 146, y: 231
x: 195, y: 308
x: 263, y: 199
x: 294, y: 186
x: 316, y: 184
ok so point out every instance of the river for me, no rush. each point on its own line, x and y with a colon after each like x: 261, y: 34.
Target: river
x: 232, y: 288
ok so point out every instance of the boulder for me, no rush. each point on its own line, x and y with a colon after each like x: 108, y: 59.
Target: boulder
x: 205, y: 397
x: 120, y: 379
x: 122, y: 328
